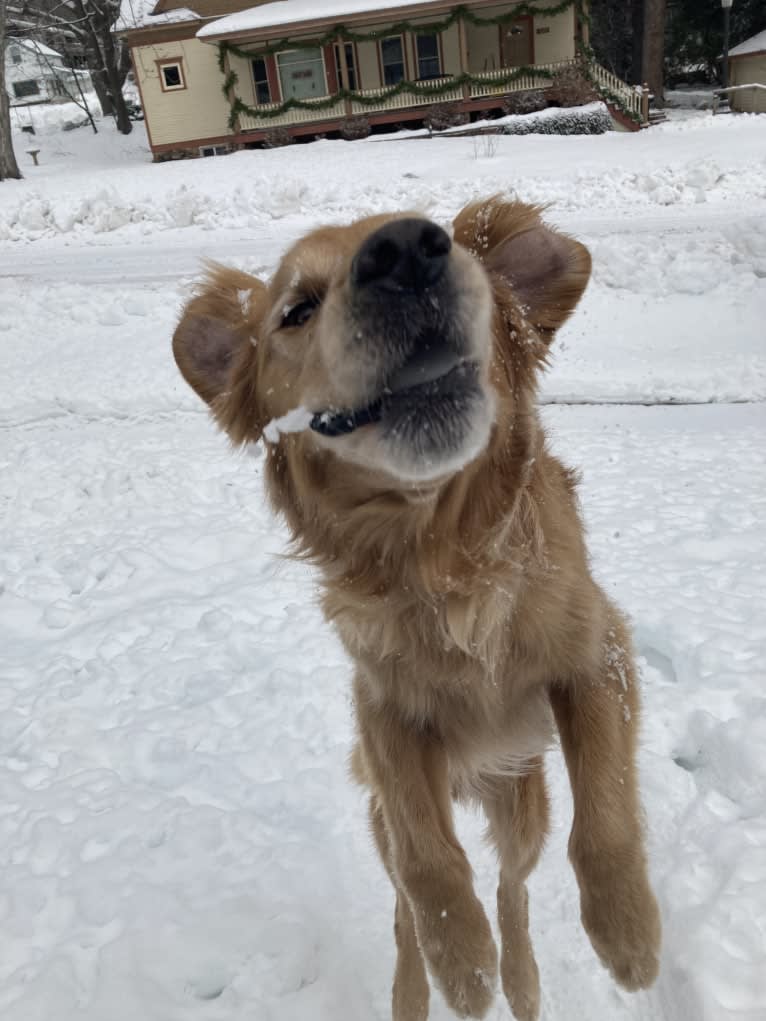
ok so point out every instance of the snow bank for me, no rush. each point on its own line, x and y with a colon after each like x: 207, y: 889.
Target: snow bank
x: 252, y: 189
x: 247, y: 198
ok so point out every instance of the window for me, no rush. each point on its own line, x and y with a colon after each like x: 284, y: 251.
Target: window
x: 214, y: 150
x: 15, y: 53
x: 392, y: 58
x: 172, y: 76
x: 261, y: 81
x: 350, y: 65
x: 301, y: 74
x: 429, y: 61
x: 23, y: 89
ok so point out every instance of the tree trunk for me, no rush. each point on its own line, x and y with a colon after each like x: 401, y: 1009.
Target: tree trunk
x: 8, y: 165
x: 114, y: 77
x: 102, y: 52
x: 654, y: 49
x: 101, y: 89
x: 637, y: 62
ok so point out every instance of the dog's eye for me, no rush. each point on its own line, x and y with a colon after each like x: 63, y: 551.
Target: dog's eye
x: 299, y: 314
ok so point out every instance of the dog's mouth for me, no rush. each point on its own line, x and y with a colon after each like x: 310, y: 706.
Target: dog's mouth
x: 429, y: 374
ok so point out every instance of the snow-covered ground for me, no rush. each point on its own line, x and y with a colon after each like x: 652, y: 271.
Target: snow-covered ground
x: 178, y: 835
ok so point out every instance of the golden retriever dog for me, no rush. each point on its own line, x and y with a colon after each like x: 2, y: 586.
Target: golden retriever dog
x: 391, y: 368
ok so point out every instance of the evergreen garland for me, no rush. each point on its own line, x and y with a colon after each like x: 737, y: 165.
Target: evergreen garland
x: 413, y: 88
x: 340, y: 33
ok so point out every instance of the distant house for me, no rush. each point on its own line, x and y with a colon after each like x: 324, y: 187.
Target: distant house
x: 34, y: 73
x: 747, y: 66
x: 223, y: 74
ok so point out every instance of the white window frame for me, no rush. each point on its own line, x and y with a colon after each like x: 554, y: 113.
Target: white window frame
x: 438, y: 57
x: 384, y: 83
x: 163, y: 66
x: 253, y: 61
x: 283, y: 53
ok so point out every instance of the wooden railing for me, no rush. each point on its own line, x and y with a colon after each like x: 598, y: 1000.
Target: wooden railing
x: 407, y: 99
x: 629, y: 95
x: 487, y: 83
x: 492, y: 84
x: 298, y: 115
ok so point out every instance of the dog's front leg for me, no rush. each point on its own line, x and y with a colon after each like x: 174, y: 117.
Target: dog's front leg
x: 408, y: 770
x: 597, y: 717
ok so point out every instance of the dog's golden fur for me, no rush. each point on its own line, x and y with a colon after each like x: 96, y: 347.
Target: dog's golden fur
x: 466, y: 604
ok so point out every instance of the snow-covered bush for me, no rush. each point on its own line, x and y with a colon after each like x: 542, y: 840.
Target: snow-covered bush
x: 353, y: 128
x: 571, y: 87
x: 593, y: 119
x: 275, y: 138
x: 445, y: 115
x: 528, y: 101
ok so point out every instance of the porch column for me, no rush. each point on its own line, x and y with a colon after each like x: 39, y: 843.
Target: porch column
x: 463, y: 42
x: 585, y: 24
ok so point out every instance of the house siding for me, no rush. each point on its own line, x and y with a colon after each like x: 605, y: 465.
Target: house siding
x: 198, y: 111
x: 451, y: 51
x: 483, y: 44
x: 748, y: 71
x: 558, y: 43
x: 369, y: 67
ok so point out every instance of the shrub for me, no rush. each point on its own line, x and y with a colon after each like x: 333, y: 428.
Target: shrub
x: 444, y: 115
x: 275, y: 138
x: 529, y: 101
x: 593, y: 119
x: 353, y: 128
x: 571, y: 87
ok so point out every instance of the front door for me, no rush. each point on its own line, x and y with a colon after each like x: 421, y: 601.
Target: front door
x: 517, y: 43
x: 302, y: 74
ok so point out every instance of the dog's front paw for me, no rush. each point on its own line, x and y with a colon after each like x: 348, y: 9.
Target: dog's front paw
x: 458, y: 945
x: 521, y: 985
x: 622, y: 920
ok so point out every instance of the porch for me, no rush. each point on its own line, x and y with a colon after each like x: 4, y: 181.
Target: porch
x: 483, y: 91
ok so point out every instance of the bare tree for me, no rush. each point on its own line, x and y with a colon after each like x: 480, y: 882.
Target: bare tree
x: 91, y: 23
x: 8, y: 165
x: 654, y: 48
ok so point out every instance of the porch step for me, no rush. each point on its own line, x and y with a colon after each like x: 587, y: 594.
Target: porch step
x: 655, y: 117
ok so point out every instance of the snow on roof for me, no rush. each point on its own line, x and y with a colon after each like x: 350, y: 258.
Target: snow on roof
x: 32, y: 44
x: 287, y: 12
x: 755, y: 44
x: 138, y: 14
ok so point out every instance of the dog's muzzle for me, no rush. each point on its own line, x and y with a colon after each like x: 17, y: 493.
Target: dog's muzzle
x: 404, y: 258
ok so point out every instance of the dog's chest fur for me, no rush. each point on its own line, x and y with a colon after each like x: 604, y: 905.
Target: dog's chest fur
x: 453, y: 666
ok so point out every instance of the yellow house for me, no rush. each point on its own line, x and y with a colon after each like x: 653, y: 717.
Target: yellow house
x: 747, y: 72
x: 218, y: 75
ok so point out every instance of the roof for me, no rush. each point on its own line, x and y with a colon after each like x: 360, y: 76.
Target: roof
x: 138, y: 14
x: 755, y: 44
x: 32, y: 44
x: 289, y: 12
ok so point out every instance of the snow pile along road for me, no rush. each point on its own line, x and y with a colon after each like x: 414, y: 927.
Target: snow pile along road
x: 250, y: 190
x: 178, y: 834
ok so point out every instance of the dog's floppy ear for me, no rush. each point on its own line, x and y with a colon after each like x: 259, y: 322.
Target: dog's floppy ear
x: 213, y: 346
x: 546, y: 270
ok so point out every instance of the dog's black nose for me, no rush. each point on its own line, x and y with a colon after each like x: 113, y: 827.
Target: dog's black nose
x: 405, y: 255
